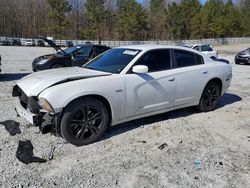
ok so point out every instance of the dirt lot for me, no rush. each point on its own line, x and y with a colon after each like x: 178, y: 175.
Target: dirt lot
x: 202, y: 149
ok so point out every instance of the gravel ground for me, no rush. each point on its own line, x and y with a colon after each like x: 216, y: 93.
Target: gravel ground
x: 201, y: 149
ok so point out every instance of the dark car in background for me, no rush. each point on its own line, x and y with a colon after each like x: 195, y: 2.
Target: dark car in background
x: 69, y: 43
x: 243, y: 57
x: 40, y: 42
x: 15, y: 42
x: 73, y: 56
x: 5, y: 42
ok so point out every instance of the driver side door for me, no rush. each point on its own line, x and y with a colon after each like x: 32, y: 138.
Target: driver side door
x: 152, y: 91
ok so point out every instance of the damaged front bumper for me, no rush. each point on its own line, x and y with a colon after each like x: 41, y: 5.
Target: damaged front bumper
x: 25, y: 114
x: 28, y: 109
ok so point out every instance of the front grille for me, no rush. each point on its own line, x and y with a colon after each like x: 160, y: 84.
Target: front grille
x: 29, y: 103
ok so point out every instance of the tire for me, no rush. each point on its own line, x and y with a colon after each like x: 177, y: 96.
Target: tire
x: 210, y: 97
x: 84, y: 121
x: 57, y: 66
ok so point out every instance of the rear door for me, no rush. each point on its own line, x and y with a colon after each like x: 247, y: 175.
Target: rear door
x: 154, y: 90
x: 191, y: 76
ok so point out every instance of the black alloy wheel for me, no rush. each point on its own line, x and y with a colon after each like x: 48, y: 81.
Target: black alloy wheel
x: 84, y: 121
x: 210, y: 97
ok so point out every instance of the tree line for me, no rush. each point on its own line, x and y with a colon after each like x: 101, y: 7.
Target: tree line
x: 124, y: 19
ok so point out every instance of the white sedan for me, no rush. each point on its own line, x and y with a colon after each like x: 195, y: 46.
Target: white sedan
x: 206, y: 49
x: 123, y: 84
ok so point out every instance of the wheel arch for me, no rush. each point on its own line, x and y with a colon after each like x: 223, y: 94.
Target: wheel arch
x: 217, y: 80
x: 99, y: 97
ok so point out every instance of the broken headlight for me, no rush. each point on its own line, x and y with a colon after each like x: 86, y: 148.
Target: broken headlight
x: 45, y: 105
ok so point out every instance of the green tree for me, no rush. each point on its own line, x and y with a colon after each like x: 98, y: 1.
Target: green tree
x: 212, y: 19
x: 232, y: 19
x: 131, y: 21
x: 96, y: 14
x: 57, y: 21
x: 173, y: 20
x: 156, y: 20
x: 180, y: 18
x: 245, y: 16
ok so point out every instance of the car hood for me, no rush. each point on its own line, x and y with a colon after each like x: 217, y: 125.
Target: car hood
x: 51, y: 43
x: 35, y: 83
x: 243, y: 54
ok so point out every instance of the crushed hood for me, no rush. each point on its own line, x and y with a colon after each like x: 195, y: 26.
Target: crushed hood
x: 35, y: 83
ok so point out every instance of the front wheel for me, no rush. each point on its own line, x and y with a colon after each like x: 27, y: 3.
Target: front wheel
x: 210, y: 97
x: 84, y: 121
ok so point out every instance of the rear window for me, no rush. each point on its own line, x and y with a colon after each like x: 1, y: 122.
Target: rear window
x: 184, y: 58
x: 206, y: 49
x: 199, y: 59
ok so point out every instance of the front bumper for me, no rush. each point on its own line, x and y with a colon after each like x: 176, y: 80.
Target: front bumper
x: 242, y: 60
x: 44, y: 120
x: 28, y: 109
x: 30, y: 117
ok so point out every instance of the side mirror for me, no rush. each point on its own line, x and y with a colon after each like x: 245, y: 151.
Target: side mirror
x: 140, y: 69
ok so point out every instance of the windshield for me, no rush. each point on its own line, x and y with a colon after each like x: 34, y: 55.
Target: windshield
x: 69, y: 50
x: 113, y: 61
x: 246, y: 51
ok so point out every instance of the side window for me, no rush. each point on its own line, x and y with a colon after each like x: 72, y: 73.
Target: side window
x: 206, y: 49
x: 100, y: 49
x: 199, y: 59
x: 156, y: 60
x: 197, y: 48
x: 184, y: 58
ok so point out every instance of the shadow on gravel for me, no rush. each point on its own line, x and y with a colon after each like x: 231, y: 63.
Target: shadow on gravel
x: 124, y: 127
x: 225, y: 100
x: 228, y: 99
x: 7, y: 77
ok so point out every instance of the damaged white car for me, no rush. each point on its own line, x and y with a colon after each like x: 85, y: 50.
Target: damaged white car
x: 123, y: 84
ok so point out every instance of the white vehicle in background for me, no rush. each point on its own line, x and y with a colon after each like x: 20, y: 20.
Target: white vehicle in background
x: 120, y: 85
x: 206, y: 49
x: 30, y: 42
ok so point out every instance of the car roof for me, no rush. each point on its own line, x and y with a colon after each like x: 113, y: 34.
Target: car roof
x: 156, y: 46
x: 206, y: 44
x: 89, y: 44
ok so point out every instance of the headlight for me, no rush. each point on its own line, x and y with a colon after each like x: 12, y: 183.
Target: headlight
x: 45, y: 105
x: 42, y: 61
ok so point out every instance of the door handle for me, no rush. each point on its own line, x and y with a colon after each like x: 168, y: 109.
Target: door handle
x: 204, y: 72
x: 171, y: 79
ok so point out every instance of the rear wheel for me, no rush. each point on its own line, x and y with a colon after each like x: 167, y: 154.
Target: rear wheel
x: 210, y: 97
x: 84, y: 121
